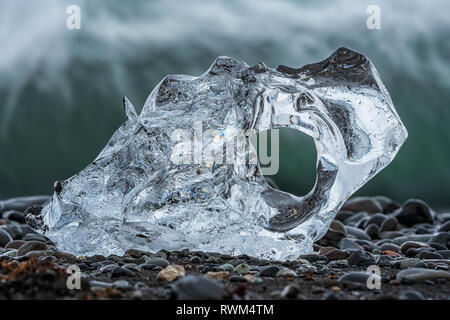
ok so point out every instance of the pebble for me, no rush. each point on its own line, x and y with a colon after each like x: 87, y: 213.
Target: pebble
x: 444, y: 253
x: 411, y: 295
x: 405, y: 263
x: 99, y: 284
x: 362, y: 204
x: 21, y: 203
x: 377, y: 219
x: 337, y: 225
x: 195, y: 259
x: 197, y: 288
x: 227, y: 267
x: 135, y: 253
x: 348, y: 244
x: 390, y: 224
x: 437, y: 246
x: 15, y: 244
x: 156, y: 261
x: 5, y: 238
x: 359, y: 277
x: 445, y: 227
x: 429, y: 255
x: 372, y: 231
x: 237, y: 278
x: 218, y: 275
x: 14, y: 215
x: 419, y: 274
x: 31, y: 246
x: 120, y: 271
x: 333, y: 253
x: 242, y: 268
x: 390, y: 247
x: 269, y: 271
x: 358, y: 233
x: 122, y: 285
x: 331, y: 238
x: 411, y: 244
x: 290, y: 291
x: 442, y: 238
x: 285, y: 273
x: 387, y: 204
x: 361, y: 259
x: 414, y: 211
x: 133, y: 267
x: 313, y: 257
x: 171, y: 273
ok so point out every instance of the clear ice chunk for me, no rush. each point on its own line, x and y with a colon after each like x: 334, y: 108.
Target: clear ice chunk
x: 135, y: 196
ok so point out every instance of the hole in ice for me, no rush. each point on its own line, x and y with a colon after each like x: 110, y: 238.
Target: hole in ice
x: 297, y: 158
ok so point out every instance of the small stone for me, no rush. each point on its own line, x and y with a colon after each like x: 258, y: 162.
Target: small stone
x: 429, y: 255
x: 358, y: 233
x: 195, y: 259
x: 437, y: 246
x: 334, y: 254
x: 390, y: 224
x: 361, y: 259
x: 122, y: 285
x: 290, y: 291
x: 161, y: 254
x: 411, y: 295
x: 171, y: 273
x: 237, y: 278
x: 312, y: 257
x: 337, y: 225
x: 377, y: 219
x: 218, y: 275
x: 387, y: 204
x: 414, y: 211
x: 390, y: 234
x: 405, y: 263
x: 445, y: 227
x: 359, y: 277
x: 15, y: 244
x: 120, y: 271
x: 419, y: 275
x: 269, y: 271
x: 31, y: 246
x: 133, y: 267
x: 99, y: 284
x: 135, y: 253
x: 372, y: 231
x: 286, y: 273
x: 348, y: 244
x: 362, y: 204
x: 5, y: 238
x: 442, y: 238
x: 331, y: 238
x: 390, y: 247
x: 227, y: 267
x: 161, y: 262
x: 444, y: 253
x: 197, y: 288
x: 242, y: 268
x: 412, y: 244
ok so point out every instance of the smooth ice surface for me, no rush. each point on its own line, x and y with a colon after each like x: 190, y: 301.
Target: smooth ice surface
x: 134, y: 195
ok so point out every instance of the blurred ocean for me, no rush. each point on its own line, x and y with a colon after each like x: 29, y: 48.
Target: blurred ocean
x: 61, y: 89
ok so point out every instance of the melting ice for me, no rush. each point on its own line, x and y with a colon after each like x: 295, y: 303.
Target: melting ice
x: 153, y: 187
